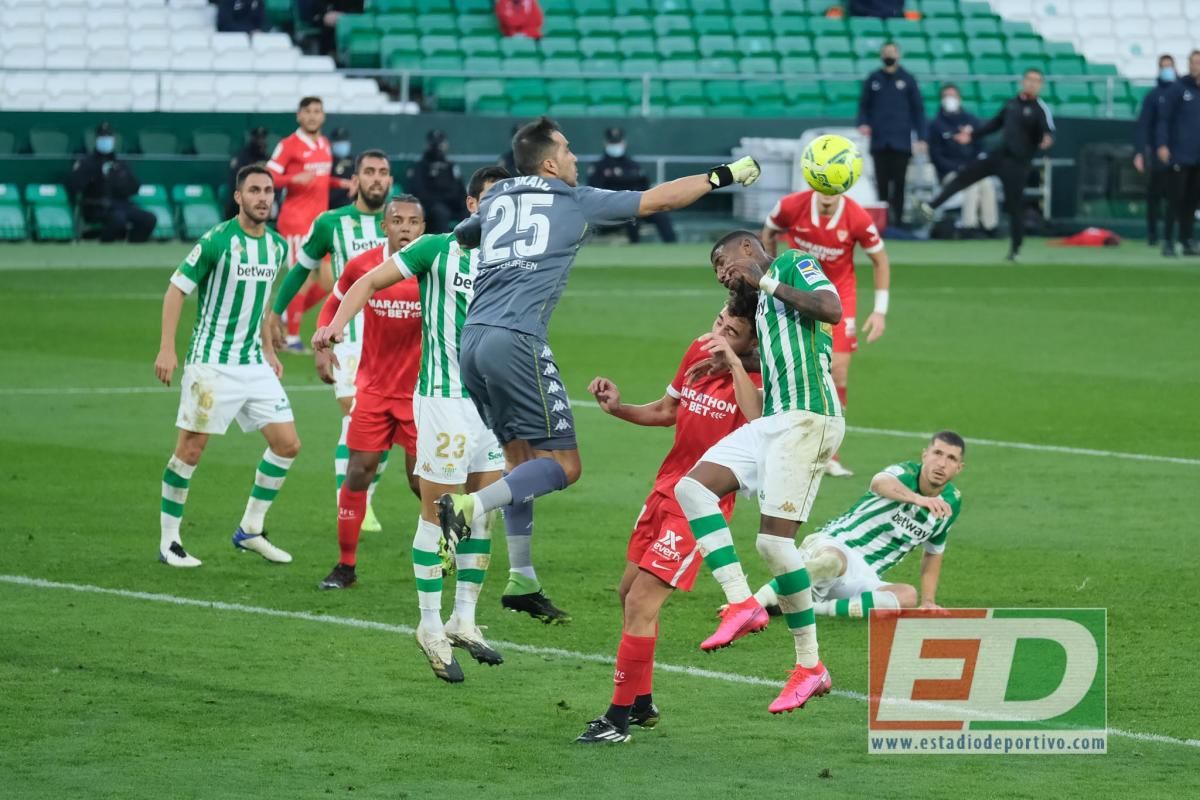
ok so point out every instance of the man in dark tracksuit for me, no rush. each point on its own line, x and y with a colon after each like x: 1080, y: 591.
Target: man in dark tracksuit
x: 437, y: 183
x: 618, y: 172
x: 890, y: 111
x: 105, y: 186
x: 1177, y: 137
x: 1160, y: 184
x: 1027, y: 126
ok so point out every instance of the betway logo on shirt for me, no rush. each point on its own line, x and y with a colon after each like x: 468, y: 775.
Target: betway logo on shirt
x: 363, y: 245
x: 918, y: 530
x: 395, y: 309
x: 705, y: 404
x: 254, y: 272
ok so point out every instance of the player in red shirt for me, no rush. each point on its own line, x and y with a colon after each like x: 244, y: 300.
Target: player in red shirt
x: 829, y: 227
x: 382, y: 414
x: 662, y: 552
x: 302, y: 164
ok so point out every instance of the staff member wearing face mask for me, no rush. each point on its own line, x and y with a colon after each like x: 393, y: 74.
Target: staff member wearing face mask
x: 1159, y: 177
x: 950, y: 156
x: 1177, y: 136
x: 343, y: 169
x: 103, y: 185
x: 618, y: 172
x: 890, y: 112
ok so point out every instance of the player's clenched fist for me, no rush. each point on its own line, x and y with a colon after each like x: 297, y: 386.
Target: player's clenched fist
x: 936, y: 506
x: 165, y: 364
x: 606, y: 393
x: 326, y: 337
x: 744, y: 171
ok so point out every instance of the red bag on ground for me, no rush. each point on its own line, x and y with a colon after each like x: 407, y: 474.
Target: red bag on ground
x: 1090, y: 237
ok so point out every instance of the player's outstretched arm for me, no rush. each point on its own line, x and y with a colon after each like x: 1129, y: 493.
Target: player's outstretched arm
x: 682, y: 192
x: 659, y: 414
x: 931, y: 570
x: 167, y: 360
x: 889, y: 486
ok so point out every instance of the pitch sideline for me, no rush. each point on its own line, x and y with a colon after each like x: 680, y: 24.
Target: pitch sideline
x: 363, y: 624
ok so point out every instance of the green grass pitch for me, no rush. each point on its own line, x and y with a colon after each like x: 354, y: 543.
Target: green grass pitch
x: 115, y: 696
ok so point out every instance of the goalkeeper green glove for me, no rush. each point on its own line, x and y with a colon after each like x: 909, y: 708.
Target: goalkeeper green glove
x: 744, y: 171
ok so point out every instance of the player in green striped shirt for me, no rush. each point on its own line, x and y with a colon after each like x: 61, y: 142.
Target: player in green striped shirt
x: 228, y: 373
x: 343, y: 233
x: 782, y: 454
x: 454, y: 447
x: 910, y: 504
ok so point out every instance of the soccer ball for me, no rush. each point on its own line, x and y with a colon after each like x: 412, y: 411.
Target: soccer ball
x: 831, y: 164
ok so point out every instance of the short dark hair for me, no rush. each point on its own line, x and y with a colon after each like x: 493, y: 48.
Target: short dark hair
x: 532, y: 142
x: 405, y: 198
x: 365, y: 154
x: 743, y: 303
x: 953, y: 86
x: 732, y: 236
x: 252, y: 169
x: 950, y: 438
x: 1034, y: 69
x: 483, y: 176
x: 1166, y: 57
x: 308, y: 100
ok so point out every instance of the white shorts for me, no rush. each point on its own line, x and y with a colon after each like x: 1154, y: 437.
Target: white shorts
x: 452, y: 441
x: 782, y: 457
x: 858, y: 578
x: 348, y: 355
x: 215, y: 395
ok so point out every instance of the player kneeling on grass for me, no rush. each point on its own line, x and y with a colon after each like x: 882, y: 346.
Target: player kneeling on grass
x: 228, y: 373
x: 382, y: 413
x: 909, y: 504
x: 661, y: 555
x: 454, y: 448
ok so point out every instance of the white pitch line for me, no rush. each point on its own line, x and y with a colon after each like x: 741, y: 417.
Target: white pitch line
x: 590, y: 404
x: 405, y: 630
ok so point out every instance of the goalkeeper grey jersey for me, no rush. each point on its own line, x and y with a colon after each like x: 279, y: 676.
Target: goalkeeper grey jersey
x: 532, y: 227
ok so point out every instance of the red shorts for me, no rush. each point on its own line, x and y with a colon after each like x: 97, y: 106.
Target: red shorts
x: 377, y: 422
x: 845, y: 336
x: 662, y: 543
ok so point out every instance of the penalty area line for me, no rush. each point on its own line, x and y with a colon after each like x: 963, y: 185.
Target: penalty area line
x: 405, y: 630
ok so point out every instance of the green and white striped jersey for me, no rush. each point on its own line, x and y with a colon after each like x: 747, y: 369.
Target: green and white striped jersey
x: 883, y: 531
x: 234, y: 272
x: 796, y: 350
x: 342, y: 233
x: 446, y: 277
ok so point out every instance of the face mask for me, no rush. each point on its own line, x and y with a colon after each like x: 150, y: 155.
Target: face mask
x: 951, y: 104
x: 888, y: 61
x: 614, y: 150
x: 1166, y: 74
x: 341, y: 149
x: 105, y: 144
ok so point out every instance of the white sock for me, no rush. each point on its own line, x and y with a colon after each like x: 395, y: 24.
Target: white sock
x: 268, y: 480
x: 766, y: 596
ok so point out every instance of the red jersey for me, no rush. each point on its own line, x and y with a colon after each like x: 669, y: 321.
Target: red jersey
x: 304, y: 201
x: 707, y: 413
x: 830, y: 239
x: 391, y: 336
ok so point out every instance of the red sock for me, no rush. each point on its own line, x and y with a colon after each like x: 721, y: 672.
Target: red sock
x: 315, y: 294
x: 351, y: 508
x: 295, y: 313
x: 635, y: 663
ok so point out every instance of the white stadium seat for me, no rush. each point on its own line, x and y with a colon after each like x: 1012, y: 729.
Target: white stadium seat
x: 67, y: 59
x: 278, y: 61
x: 66, y: 39
x: 24, y: 57
x: 1162, y: 8
x: 1089, y: 27
x: 23, y: 17
x: 110, y: 40
x: 314, y: 64
x: 22, y: 37
x: 271, y: 42
x: 150, y: 60
x: 196, y: 61
x: 148, y: 18
x: 1061, y: 28
x: 189, y: 19
x: 230, y: 42
x: 190, y: 42
x: 115, y: 58
x: 234, y: 62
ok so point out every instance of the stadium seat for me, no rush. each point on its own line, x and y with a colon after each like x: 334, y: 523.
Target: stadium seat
x: 8, y: 143
x: 599, y: 47
x: 486, y: 96
x: 627, y: 27
x: 212, y: 143
x: 153, y: 198
x: 50, y: 214
x: 13, y: 227
x: 198, y: 209
x: 49, y: 142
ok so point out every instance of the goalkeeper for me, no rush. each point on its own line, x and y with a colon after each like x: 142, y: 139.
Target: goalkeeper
x: 531, y: 228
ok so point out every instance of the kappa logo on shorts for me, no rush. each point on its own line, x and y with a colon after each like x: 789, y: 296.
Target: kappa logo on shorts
x: 550, y: 370
x: 425, y: 467
x: 559, y: 405
x: 546, y: 352
x: 788, y: 507
x: 562, y: 425
x: 553, y: 388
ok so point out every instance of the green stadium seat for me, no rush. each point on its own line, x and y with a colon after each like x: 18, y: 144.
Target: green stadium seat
x: 212, y: 143
x: 198, y: 209
x: 593, y: 26
x: 710, y: 25
x: 988, y: 47
x: 991, y: 92
x: 866, y: 26
x: 789, y: 46
x: 683, y: 93
x: 951, y: 67
x: 992, y: 65
x: 688, y: 111
x: 948, y: 47
x: 912, y: 47
x: 682, y: 65
x: 629, y: 27
x: 608, y: 110
x: 517, y: 65
x: 899, y: 26
x: 842, y: 91
x: 716, y: 46
x: 528, y: 108
x: 921, y: 67
x: 803, y: 66
x: 158, y: 143
x: 440, y: 47
x: 480, y: 46
x: 1072, y: 92
x: 940, y: 8
x: 710, y: 7
x: 639, y: 65
x: 982, y: 28
x: 869, y: 43
x: 279, y: 12
x: 790, y: 26
x: 1077, y: 110
x: 755, y: 45
x: 838, y: 66
x: 477, y: 25
x: 865, y: 65
x: 13, y: 226
x: 483, y: 65
x: 658, y: 92
x: 567, y: 90
x: 562, y: 65
x: 783, y: 8
x: 479, y: 7
x: 393, y: 6
x: 446, y: 61
x: 970, y: 9
x: 724, y: 94
x: 672, y: 25
x: 50, y: 212
x: 477, y: 93
x: 559, y: 46
x: 762, y: 92
x: 676, y: 46
x: 1067, y: 65
x: 1025, y: 48
x: 404, y: 59
x: 759, y: 65
x: 826, y: 26
x: 8, y: 143
x: 599, y: 47
x: 629, y: 8
x: 448, y: 94
x: 841, y: 110
x: 834, y: 46
x: 755, y: 26
x: 602, y: 64
x: 153, y: 198
x: 594, y: 8
x: 435, y: 24
x: 1017, y: 29
x: 1101, y: 69
x: 436, y: 6
x: 518, y: 46
x: 802, y: 92
x: 607, y: 91
x: 744, y: 8
x: 49, y: 142
x: 527, y: 90
x: 557, y: 7
x: 937, y: 28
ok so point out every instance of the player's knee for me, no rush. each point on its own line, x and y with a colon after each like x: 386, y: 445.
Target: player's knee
x: 573, y: 469
x: 905, y: 594
x: 288, y: 448
x: 359, y: 474
x: 692, y: 495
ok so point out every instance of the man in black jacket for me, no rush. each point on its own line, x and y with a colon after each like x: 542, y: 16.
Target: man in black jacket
x: 253, y: 152
x: 618, y: 172
x: 950, y: 157
x: 437, y: 183
x: 103, y: 185
x: 1160, y: 178
x: 890, y: 111
x: 342, y: 175
x: 1026, y: 127
x: 1177, y: 136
